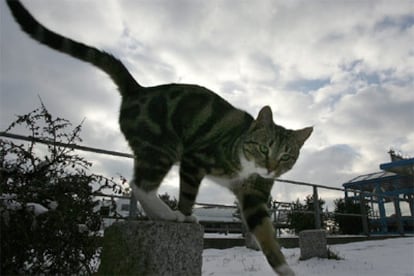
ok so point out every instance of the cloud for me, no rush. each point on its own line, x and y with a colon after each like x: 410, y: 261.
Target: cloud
x: 337, y: 157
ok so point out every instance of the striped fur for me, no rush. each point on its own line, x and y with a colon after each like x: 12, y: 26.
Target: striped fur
x: 194, y: 126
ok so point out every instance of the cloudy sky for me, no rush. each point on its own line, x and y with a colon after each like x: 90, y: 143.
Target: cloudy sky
x: 345, y: 67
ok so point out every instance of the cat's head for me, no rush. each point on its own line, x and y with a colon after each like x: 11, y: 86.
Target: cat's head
x: 271, y: 146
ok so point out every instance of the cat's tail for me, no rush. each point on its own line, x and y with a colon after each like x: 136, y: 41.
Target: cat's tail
x: 109, y: 64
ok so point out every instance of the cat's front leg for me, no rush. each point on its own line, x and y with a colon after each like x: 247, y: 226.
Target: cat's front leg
x: 155, y: 208
x: 147, y: 179
x: 253, y: 199
x: 265, y: 235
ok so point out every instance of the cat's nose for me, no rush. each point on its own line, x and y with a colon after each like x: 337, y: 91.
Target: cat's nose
x: 270, y: 172
x: 271, y: 167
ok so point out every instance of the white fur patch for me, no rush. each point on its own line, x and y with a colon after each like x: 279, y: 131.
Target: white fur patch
x: 154, y: 207
x: 247, y: 169
x: 284, y: 270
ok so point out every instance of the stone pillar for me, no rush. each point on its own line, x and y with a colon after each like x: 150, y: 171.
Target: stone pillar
x: 152, y: 248
x: 312, y: 243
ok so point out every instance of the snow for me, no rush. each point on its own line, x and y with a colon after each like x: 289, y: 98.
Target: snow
x: 381, y: 257
x: 223, y: 236
x: 8, y: 201
x: 36, y: 208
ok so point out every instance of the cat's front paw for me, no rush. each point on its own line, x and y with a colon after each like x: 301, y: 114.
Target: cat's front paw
x: 284, y: 270
x: 191, y: 218
x: 179, y: 217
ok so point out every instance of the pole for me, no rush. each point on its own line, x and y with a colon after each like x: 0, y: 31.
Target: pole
x: 317, y: 210
x: 364, y: 216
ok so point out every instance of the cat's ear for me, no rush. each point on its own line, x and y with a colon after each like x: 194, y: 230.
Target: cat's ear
x: 303, y: 134
x: 265, y: 117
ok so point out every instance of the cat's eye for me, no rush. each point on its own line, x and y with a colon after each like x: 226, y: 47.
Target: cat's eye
x: 264, y: 149
x: 285, y: 157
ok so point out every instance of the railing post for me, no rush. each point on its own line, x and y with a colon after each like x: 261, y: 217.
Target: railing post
x: 317, y: 210
x: 364, y: 216
x: 383, y: 216
x: 398, y: 216
x: 133, y: 208
x: 411, y: 203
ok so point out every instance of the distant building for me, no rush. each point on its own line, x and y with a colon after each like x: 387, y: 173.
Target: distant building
x: 214, y: 218
x: 390, y: 194
x: 110, y: 215
x: 218, y: 219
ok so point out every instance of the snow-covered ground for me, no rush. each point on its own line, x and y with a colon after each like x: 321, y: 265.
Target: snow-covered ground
x: 381, y: 257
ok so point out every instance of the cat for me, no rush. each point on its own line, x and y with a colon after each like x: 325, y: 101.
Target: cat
x: 193, y: 126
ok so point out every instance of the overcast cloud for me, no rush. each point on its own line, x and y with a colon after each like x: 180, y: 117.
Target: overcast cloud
x: 345, y: 67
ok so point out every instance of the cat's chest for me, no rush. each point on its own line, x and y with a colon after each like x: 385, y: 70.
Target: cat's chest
x: 247, y: 168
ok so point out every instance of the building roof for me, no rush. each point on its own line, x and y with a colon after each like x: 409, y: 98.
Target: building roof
x: 371, y: 177
x: 400, y: 166
x: 216, y: 214
x: 382, y: 182
x: 396, y: 178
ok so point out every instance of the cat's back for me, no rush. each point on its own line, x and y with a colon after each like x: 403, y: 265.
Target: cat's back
x: 183, y: 91
x: 184, y: 111
x: 179, y: 99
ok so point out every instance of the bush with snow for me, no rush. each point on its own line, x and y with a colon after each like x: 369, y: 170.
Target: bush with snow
x: 49, y: 223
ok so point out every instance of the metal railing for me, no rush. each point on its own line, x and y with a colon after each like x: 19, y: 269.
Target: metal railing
x: 360, y: 196
x: 317, y: 211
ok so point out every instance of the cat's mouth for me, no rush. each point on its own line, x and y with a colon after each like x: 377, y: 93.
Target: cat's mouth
x: 271, y: 168
x: 270, y: 172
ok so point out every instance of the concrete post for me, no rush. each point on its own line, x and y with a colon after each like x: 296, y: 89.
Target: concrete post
x: 152, y: 248
x: 313, y: 243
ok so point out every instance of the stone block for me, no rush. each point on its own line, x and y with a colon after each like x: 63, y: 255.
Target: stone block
x: 152, y: 248
x: 313, y: 243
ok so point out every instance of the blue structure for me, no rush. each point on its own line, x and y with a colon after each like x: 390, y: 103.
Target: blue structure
x: 394, y: 184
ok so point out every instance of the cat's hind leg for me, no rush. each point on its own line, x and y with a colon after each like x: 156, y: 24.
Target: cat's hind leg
x: 147, y: 179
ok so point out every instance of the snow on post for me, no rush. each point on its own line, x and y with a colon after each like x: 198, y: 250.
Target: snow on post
x: 152, y: 248
x: 313, y: 243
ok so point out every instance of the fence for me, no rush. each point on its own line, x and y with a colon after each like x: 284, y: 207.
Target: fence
x: 361, y: 195
x: 368, y: 220
x: 317, y: 208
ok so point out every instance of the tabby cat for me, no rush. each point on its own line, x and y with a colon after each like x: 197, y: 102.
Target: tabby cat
x: 191, y: 125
